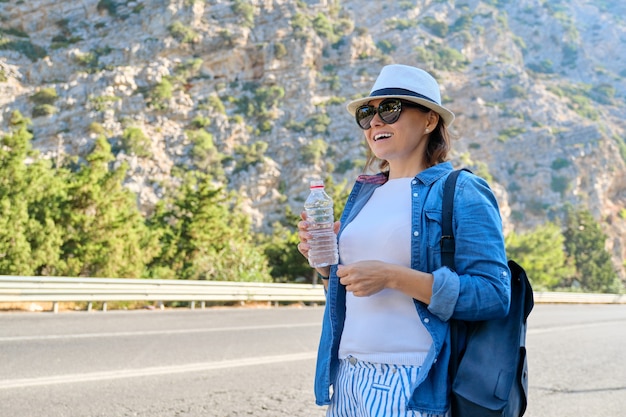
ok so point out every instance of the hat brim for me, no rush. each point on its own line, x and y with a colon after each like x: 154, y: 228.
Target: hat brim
x: 445, y: 114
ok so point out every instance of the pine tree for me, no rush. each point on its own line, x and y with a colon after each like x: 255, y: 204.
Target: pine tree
x: 204, y: 235
x: 106, y: 235
x: 281, y: 250
x: 542, y: 254
x: 30, y: 193
x: 585, y: 243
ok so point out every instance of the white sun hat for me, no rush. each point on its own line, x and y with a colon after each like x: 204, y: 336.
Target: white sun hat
x: 410, y: 84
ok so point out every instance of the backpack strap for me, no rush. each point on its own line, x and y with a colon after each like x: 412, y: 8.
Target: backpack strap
x: 447, y: 233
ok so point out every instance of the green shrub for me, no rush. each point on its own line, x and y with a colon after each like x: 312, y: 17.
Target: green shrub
x: 323, y: 27
x: 245, y: 10
x: 506, y: 134
x: 265, y: 126
x: 108, y: 6
x: 603, y: 94
x: 88, y: 59
x: 585, y: 243
x: 334, y: 101
x: 14, y: 32
x: 542, y: 254
x: 334, y: 83
x: 444, y: 58
x: 385, y: 46
x: 97, y: 128
x: 215, y: 103
x: 435, y: 27
x: 161, y: 94
x: 188, y: 69
x: 545, y: 67
x: 46, y: 95
x: 560, y: 184
x: 560, y: 163
x: 61, y: 41
x: 200, y: 122
x: 102, y: 103
x: 344, y: 166
x: 280, y: 50
x: 299, y: 25
x: 135, y: 142
x: 23, y: 45
x: 319, y: 123
x: 41, y: 110
x: 401, y: 24
x: 295, y: 126
x: 182, y: 33
x: 313, y: 151
x: 236, y: 119
x: 578, y: 98
x: 462, y: 23
x: 261, y: 104
x: 249, y: 155
x: 516, y: 91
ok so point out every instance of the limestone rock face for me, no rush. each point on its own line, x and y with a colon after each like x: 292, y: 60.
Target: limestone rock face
x: 539, y: 91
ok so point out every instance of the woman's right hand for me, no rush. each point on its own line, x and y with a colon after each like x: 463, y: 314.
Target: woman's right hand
x: 304, y: 236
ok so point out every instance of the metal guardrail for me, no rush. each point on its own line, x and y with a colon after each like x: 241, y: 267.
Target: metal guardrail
x: 578, y: 298
x: 18, y: 289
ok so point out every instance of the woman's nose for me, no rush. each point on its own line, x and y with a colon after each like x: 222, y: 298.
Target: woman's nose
x: 377, y: 120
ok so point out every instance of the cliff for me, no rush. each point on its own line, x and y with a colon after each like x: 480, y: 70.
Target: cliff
x: 538, y: 87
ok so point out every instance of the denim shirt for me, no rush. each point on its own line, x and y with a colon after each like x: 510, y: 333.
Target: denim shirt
x: 479, y: 288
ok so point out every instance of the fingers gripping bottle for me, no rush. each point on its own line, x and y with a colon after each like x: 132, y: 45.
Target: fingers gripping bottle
x: 319, y: 213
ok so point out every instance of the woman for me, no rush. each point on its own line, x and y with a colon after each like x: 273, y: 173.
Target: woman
x: 384, y: 347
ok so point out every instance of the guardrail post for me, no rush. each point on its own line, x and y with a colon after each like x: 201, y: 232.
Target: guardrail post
x: 104, y: 306
x: 89, y: 307
x: 202, y: 304
x: 193, y: 305
x: 55, y: 307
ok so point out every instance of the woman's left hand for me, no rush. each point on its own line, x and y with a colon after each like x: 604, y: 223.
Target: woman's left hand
x: 364, y: 278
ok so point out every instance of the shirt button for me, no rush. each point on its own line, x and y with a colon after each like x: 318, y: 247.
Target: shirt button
x: 415, y: 195
x: 414, y: 182
x: 426, y: 320
x: 416, y: 233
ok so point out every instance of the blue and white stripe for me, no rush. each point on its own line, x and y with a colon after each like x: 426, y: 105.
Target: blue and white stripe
x: 365, y: 389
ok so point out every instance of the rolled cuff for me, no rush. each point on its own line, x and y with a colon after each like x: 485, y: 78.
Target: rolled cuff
x: 446, y: 288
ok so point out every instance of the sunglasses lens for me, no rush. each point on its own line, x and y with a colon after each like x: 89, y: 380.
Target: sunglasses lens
x: 364, y: 116
x: 389, y: 111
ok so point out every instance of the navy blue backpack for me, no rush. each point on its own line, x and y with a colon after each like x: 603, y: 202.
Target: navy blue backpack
x: 488, y: 367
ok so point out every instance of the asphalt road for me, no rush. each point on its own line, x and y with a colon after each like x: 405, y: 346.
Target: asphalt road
x: 260, y: 362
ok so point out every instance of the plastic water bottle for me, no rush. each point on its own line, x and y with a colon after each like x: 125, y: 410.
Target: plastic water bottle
x: 319, y: 214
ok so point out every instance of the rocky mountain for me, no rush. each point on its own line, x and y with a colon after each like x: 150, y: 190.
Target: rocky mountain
x: 256, y: 91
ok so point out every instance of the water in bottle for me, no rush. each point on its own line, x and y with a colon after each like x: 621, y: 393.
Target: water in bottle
x: 319, y: 213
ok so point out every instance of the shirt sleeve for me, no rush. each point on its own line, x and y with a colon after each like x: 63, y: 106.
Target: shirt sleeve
x: 479, y: 286
x: 445, y: 293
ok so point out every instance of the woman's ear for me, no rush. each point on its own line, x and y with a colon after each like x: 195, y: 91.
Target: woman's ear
x: 433, y: 120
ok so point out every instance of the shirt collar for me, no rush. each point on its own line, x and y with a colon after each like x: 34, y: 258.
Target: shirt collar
x: 426, y: 177
x: 432, y: 174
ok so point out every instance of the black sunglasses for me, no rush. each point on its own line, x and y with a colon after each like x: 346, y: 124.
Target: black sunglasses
x: 389, y: 111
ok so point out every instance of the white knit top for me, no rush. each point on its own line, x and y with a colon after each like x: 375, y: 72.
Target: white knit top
x: 384, y: 327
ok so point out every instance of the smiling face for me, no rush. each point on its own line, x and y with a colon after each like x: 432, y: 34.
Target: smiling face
x: 403, y: 143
